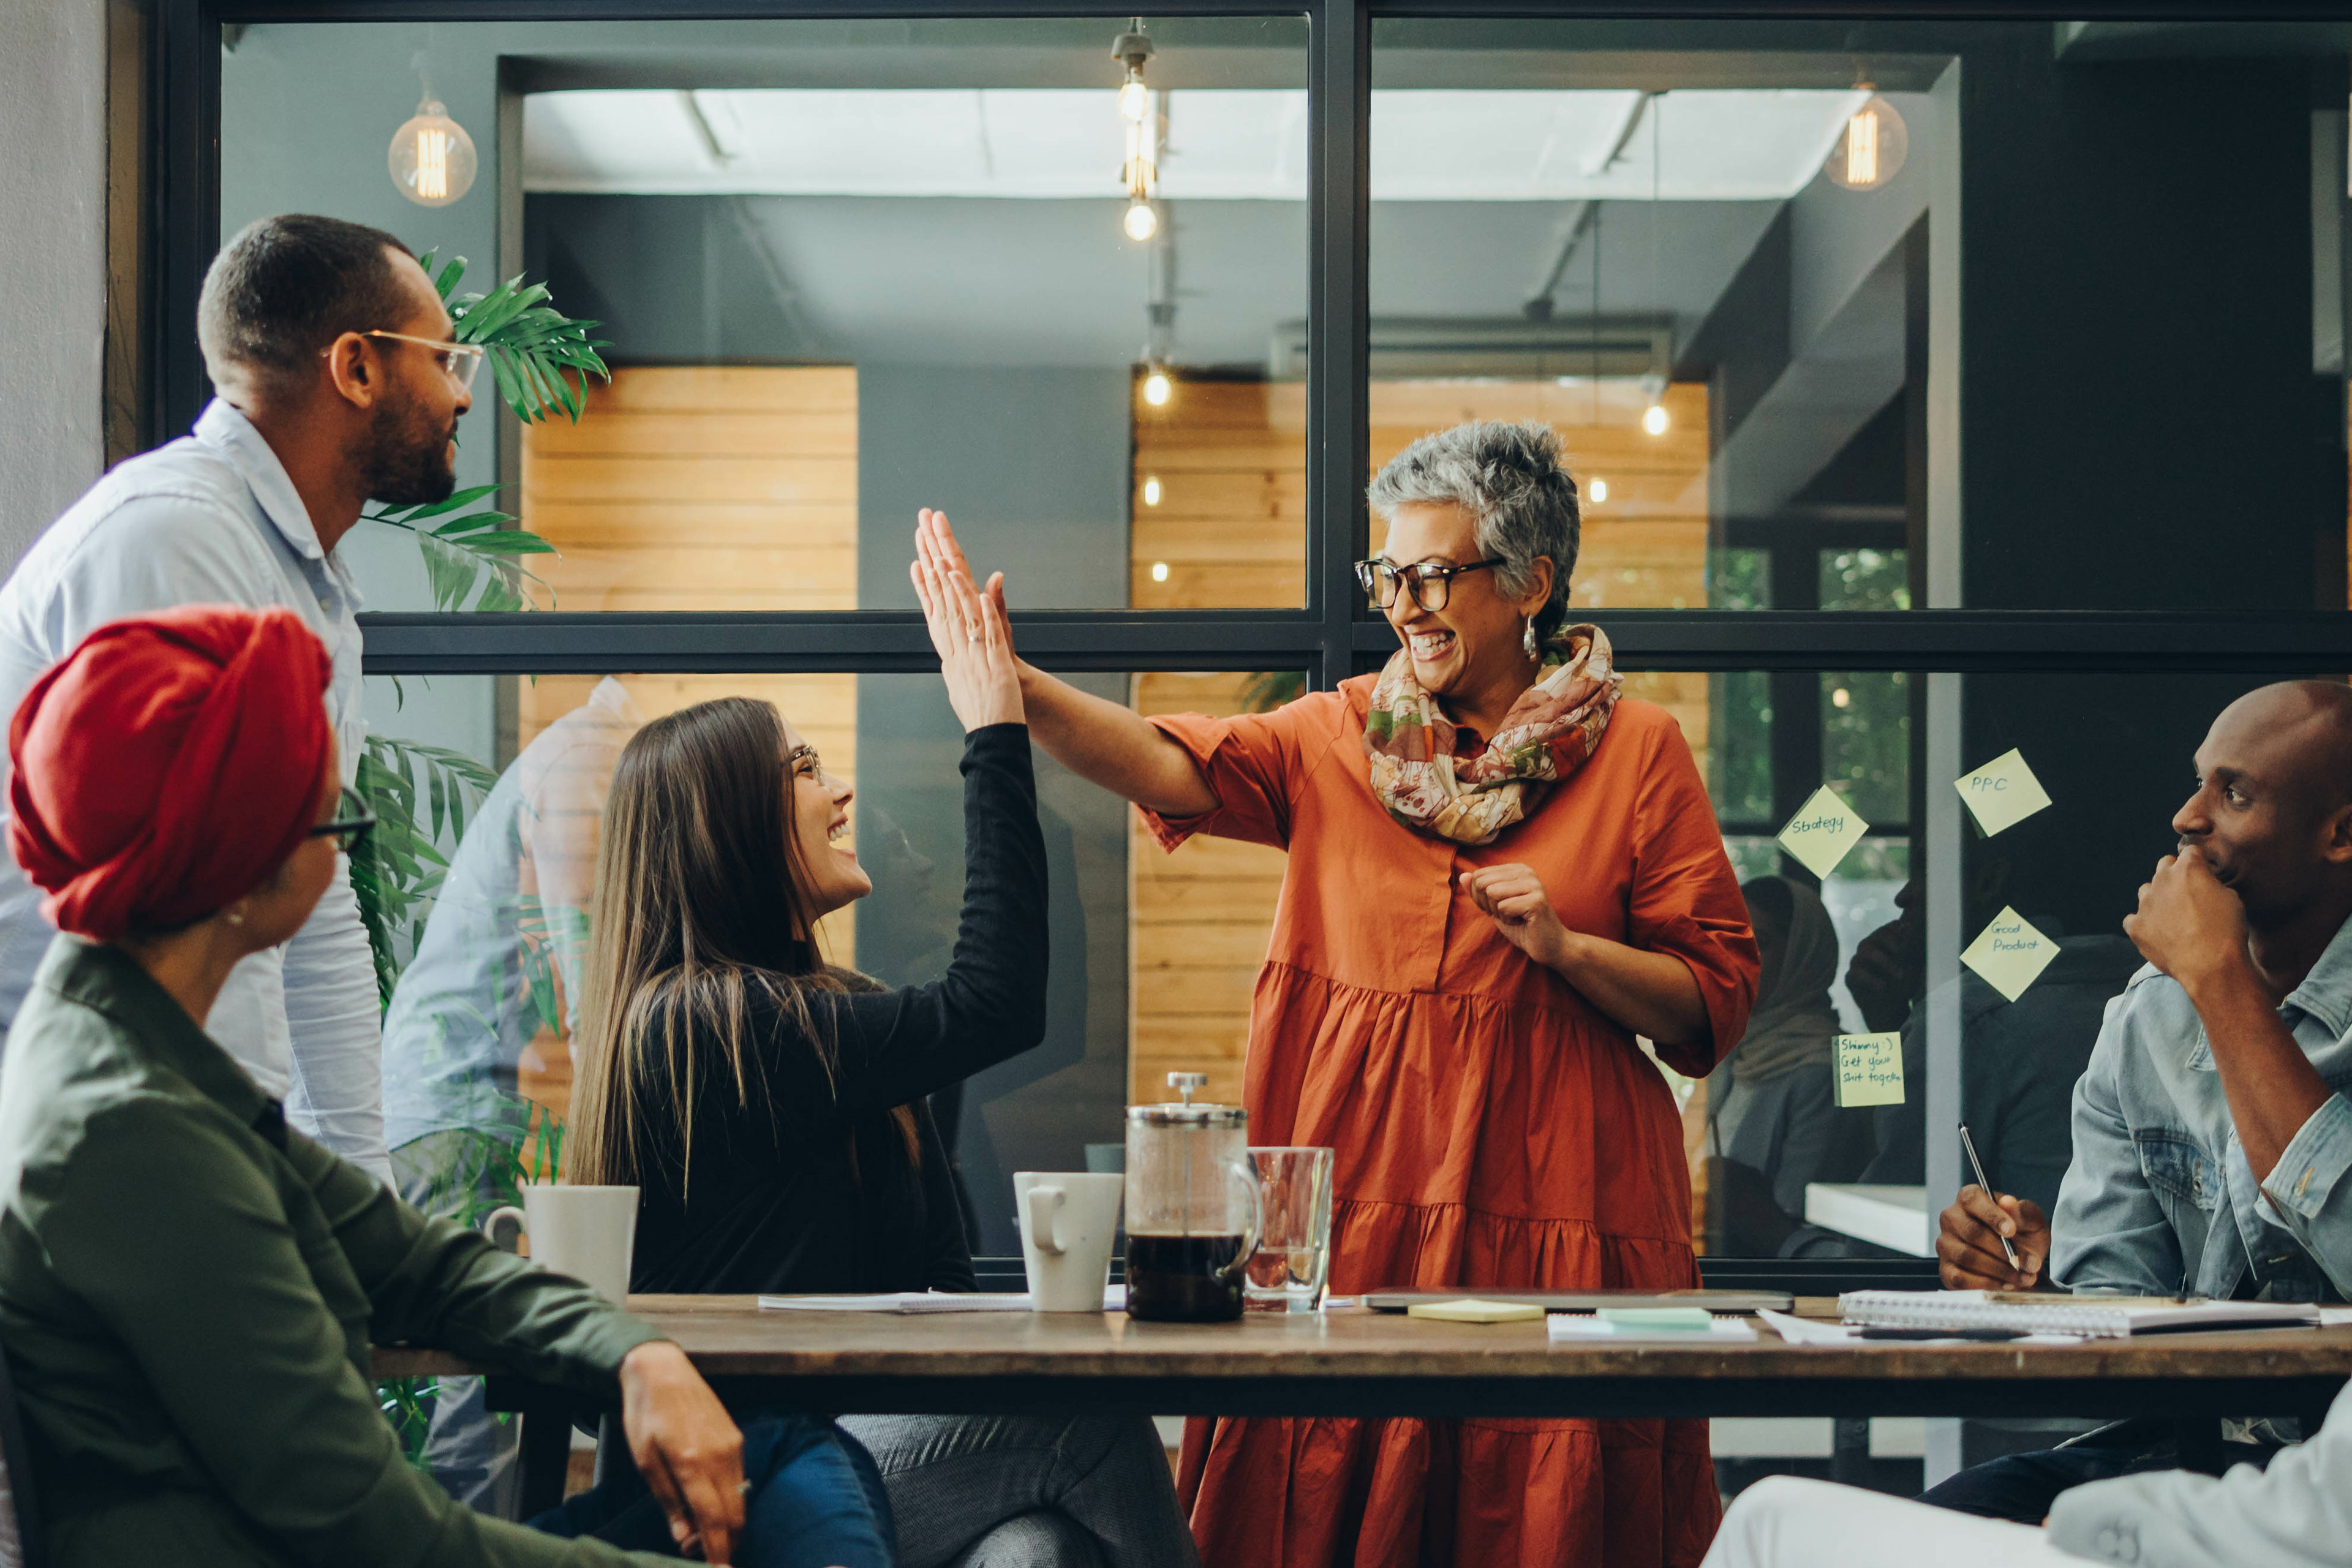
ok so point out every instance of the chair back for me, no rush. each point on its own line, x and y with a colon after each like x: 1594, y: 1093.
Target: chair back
x: 20, y: 1518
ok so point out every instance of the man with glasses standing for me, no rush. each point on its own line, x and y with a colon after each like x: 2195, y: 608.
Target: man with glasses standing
x: 337, y: 385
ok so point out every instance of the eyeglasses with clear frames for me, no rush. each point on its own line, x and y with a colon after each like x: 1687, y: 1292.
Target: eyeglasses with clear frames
x: 1431, y: 582
x: 459, y: 361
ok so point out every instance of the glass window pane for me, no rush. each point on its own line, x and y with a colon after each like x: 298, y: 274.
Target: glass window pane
x: 841, y: 270
x: 1752, y: 230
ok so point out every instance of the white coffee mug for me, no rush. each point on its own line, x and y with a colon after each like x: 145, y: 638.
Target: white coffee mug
x: 1068, y: 1221
x: 589, y: 1233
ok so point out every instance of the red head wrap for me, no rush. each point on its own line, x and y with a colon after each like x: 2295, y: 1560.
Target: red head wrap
x: 168, y: 765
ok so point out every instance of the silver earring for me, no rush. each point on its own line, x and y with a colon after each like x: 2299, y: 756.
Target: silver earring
x: 236, y: 919
x: 1528, y: 638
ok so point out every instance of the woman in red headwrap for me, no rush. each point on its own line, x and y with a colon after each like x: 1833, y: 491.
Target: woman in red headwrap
x: 188, y: 1288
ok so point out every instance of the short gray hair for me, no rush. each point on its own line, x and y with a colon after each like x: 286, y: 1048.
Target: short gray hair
x: 1511, y: 481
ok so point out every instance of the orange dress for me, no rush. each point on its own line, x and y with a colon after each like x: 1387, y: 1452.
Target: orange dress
x: 1492, y: 1128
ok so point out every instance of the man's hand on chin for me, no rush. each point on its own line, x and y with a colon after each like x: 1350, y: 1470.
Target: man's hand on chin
x: 2188, y: 924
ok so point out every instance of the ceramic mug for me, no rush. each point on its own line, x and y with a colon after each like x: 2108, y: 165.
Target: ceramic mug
x: 589, y: 1233
x: 1069, y: 1221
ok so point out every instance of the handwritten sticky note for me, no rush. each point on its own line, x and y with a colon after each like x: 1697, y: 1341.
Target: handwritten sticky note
x: 1869, y: 1069
x: 2004, y: 792
x: 1820, y: 834
x: 2009, y: 954
x: 1472, y: 1310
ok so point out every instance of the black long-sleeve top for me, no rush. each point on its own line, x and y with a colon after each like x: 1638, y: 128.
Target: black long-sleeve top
x: 809, y: 1189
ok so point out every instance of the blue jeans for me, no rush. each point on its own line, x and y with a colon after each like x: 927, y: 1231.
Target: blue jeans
x: 816, y: 1501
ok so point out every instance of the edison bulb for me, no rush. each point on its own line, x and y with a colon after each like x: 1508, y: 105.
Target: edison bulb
x: 1151, y: 491
x: 1870, y: 149
x: 1160, y: 571
x: 1157, y: 388
x: 1654, y: 420
x: 1133, y: 99
x: 1600, y: 490
x: 1141, y: 222
x: 432, y: 157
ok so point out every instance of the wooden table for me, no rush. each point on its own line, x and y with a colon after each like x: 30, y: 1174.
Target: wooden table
x: 1349, y: 1361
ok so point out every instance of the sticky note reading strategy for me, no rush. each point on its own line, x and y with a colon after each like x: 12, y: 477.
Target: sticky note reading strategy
x: 2009, y: 954
x: 2002, y: 794
x: 1820, y: 834
x: 1869, y: 1069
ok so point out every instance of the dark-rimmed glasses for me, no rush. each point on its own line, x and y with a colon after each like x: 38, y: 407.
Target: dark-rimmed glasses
x: 1431, y: 582
x: 350, y: 824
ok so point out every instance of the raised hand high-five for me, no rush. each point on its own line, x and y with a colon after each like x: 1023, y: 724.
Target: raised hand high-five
x: 968, y: 628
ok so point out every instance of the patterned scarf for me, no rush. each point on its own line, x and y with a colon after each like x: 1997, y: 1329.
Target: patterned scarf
x: 1547, y: 734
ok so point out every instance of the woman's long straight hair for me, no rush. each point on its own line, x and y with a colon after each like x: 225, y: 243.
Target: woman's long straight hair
x: 702, y: 904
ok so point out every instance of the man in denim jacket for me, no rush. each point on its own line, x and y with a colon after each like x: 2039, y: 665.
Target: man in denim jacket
x: 2211, y: 1134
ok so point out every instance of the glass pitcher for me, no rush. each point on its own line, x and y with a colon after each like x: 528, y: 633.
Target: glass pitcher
x: 1193, y: 1208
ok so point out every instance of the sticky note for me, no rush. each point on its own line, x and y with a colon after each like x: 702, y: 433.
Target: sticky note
x: 1820, y: 834
x: 1476, y: 1312
x: 1869, y: 1069
x: 2004, y: 792
x: 2009, y: 954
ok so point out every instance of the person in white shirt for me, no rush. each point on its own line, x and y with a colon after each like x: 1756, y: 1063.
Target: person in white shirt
x: 2296, y: 1514
x: 337, y: 385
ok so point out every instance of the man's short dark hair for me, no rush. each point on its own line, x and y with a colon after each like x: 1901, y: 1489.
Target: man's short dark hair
x: 284, y: 288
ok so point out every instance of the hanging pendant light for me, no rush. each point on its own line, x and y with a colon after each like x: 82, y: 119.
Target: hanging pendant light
x: 1870, y: 149
x: 432, y: 157
x: 1139, y: 170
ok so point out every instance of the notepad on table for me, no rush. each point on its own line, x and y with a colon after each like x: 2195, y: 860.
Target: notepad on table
x: 1470, y: 1311
x: 2093, y: 1316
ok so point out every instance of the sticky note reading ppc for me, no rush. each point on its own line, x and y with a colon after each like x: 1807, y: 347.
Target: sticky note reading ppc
x: 1869, y: 1069
x: 2004, y: 792
x: 1820, y: 834
x: 2009, y: 954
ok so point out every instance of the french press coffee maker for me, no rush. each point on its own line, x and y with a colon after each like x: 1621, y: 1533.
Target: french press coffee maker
x: 1193, y: 1208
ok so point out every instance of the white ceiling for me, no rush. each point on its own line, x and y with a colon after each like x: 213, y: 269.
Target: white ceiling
x: 1237, y: 144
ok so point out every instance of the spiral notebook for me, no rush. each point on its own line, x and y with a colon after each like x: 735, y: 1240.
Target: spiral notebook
x: 2093, y: 1316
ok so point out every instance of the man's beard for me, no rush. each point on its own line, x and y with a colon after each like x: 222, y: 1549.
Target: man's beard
x: 407, y: 461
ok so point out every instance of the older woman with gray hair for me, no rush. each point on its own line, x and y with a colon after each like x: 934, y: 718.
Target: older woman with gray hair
x: 1500, y: 873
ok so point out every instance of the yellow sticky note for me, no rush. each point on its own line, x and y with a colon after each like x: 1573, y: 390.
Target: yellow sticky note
x: 1476, y: 1312
x: 2009, y: 954
x: 2004, y: 792
x: 1869, y: 1069
x: 1820, y: 834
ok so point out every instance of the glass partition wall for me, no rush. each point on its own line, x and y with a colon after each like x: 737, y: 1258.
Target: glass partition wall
x: 1936, y: 391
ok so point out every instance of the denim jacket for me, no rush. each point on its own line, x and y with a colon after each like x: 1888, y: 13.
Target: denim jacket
x: 2159, y: 1196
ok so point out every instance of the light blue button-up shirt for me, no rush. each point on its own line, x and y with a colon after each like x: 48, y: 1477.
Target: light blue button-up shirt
x: 2160, y: 1197
x: 213, y: 518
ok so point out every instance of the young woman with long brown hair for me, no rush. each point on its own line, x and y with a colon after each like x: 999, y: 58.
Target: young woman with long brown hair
x: 771, y: 1105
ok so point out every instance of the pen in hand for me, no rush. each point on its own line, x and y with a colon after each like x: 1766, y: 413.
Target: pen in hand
x: 1977, y: 1165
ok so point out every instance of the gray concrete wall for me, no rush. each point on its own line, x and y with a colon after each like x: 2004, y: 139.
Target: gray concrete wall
x: 52, y: 261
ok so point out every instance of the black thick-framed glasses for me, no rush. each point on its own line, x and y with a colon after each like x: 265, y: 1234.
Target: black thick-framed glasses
x: 1431, y: 582
x: 350, y: 824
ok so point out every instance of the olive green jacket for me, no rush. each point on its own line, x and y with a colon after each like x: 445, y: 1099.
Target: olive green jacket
x: 188, y: 1292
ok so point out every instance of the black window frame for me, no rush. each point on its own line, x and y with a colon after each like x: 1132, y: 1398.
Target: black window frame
x: 1333, y: 635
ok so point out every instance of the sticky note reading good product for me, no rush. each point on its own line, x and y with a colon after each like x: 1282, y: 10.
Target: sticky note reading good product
x: 1820, y: 834
x: 1476, y: 1312
x: 1869, y: 1069
x: 2002, y: 794
x: 2009, y: 954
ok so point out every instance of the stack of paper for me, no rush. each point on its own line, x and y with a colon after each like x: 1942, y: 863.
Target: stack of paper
x: 2093, y: 1316
x: 1672, y: 1325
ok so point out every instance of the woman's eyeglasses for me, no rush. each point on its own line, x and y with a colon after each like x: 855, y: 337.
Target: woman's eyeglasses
x: 1431, y: 582
x: 350, y: 824
x: 804, y: 761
